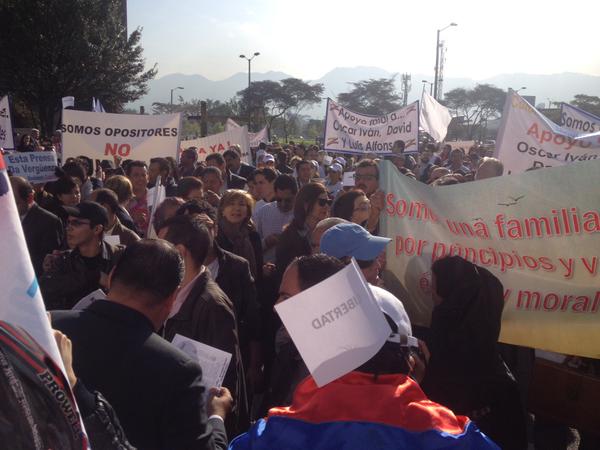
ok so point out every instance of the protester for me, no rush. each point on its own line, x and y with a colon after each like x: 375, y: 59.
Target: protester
x: 367, y: 180
x: 334, y: 179
x: 147, y: 380
x: 456, y: 162
x: 75, y: 273
x: 230, y: 180
x: 275, y: 216
x: 311, y: 206
x: 167, y: 209
x: 304, y: 171
x: 190, y: 188
x: 161, y: 167
x: 282, y: 163
x: 121, y: 186
x: 251, y: 187
x: 353, y: 206
x: 43, y: 231
x: 265, y: 190
x: 489, y: 167
x: 137, y: 172
x: 187, y: 162
x: 26, y: 144
x: 212, y: 179
x: 234, y: 163
x: 465, y: 371
x: 201, y: 311
x: 108, y: 199
x: 237, y: 233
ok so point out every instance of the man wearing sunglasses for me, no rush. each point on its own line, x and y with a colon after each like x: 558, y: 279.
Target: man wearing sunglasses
x: 75, y: 273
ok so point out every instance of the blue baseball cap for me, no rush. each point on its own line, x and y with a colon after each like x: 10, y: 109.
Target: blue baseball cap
x: 350, y: 239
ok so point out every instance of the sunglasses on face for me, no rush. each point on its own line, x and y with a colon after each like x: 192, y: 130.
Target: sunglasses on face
x: 324, y: 201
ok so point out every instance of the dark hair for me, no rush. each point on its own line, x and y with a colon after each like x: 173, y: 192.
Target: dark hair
x: 106, y: 197
x: 231, y: 153
x: 285, y: 182
x: 262, y: 146
x: 23, y: 187
x: 88, y: 164
x: 189, y: 231
x: 218, y: 157
x: 187, y: 185
x: 75, y: 169
x: 151, y: 266
x: 191, y: 151
x: 312, y: 269
x: 301, y: 163
x: 64, y: 185
x: 344, y: 205
x: 133, y: 164
x: 198, y: 207
x: 163, y: 164
x: 212, y: 169
x: 305, y: 200
x: 367, y: 163
x: 160, y: 212
x: 269, y: 174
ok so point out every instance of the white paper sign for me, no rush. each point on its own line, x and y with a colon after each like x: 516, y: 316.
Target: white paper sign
x: 350, y: 132
x: 527, y: 139
x: 254, y: 138
x: 129, y: 136
x: 578, y: 120
x: 36, y: 167
x: 214, y: 362
x: 348, y: 179
x: 86, y: 301
x: 220, y: 142
x: 6, y: 131
x: 336, y: 325
x: 112, y: 239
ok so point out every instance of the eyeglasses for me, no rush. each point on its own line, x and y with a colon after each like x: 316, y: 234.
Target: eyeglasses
x: 77, y: 223
x: 365, y: 177
x: 324, y: 201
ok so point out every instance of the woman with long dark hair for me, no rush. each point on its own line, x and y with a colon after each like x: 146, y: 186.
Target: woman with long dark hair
x: 353, y: 206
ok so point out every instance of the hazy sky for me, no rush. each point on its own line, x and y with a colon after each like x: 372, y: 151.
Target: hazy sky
x: 307, y: 38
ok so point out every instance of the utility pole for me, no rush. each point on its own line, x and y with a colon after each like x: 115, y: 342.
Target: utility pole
x: 406, y: 87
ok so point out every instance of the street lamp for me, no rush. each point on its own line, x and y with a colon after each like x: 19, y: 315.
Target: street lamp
x: 517, y: 90
x: 437, y: 60
x: 425, y: 82
x: 174, y: 89
x: 249, y: 62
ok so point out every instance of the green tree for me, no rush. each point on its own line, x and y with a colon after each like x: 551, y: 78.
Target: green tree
x: 588, y: 103
x: 265, y: 101
x: 52, y: 49
x: 476, y: 106
x: 373, y: 96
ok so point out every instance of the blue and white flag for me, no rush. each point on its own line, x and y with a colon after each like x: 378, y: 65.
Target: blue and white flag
x: 578, y: 120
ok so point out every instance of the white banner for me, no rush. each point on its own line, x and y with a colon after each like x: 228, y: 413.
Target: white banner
x: 129, y: 136
x: 335, y: 333
x: 6, y: 131
x: 255, y: 138
x: 434, y: 118
x: 68, y: 102
x: 218, y: 143
x: 527, y: 139
x: 578, y: 120
x: 351, y: 132
x: 36, y: 167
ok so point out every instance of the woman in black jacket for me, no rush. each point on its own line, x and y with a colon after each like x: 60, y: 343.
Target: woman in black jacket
x: 465, y: 371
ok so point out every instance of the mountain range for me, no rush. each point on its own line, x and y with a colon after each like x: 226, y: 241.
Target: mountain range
x: 554, y: 87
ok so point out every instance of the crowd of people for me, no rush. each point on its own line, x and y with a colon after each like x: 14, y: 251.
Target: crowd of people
x: 229, y: 241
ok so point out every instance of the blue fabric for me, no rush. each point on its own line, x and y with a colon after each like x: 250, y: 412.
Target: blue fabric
x: 290, y: 434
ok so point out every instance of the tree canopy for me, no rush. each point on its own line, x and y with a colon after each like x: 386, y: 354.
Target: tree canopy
x: 589, y: 103
x: 52, y: 49
x: 475, y: 105
x: 373, y: 96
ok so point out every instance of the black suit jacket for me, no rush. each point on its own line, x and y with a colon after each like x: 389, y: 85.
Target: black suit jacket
x: 153, y: 387
x: 246, y: 170
x: 44, y: 233
x: 235, y: 181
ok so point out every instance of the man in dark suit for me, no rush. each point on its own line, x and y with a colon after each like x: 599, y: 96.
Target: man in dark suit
x: 235, y: 164
x: 43, y: 231
x: 154, y: 388
x: 230, y: 179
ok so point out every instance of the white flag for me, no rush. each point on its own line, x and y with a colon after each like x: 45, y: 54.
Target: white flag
x: 231, y: 125
x: 6, y: 132
x: 578, y: 120
x: 97, y: 106
x: 68, y: 102
x: 434, y: 118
